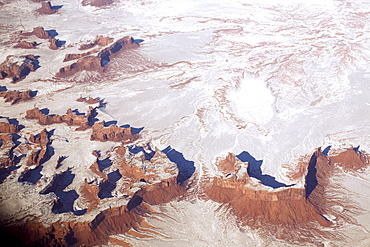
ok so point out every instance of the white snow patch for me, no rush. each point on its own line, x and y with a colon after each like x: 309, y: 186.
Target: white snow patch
x: 253, y: 101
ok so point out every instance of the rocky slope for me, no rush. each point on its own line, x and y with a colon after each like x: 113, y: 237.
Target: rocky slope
x: 72, y: 118
x: 16, y: 96
x: 285, y: 208
x: 130, y: 179
x: 26, y: 45
x: 18, y: 67
x: 89, y: 62
x: 46, y: 8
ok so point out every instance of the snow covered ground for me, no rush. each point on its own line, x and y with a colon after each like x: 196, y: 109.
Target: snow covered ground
x: 275, y: 78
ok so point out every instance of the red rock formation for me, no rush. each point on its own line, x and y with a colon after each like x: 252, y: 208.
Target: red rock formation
x: 6, y: 127
x: 112, y: 133
x: 46, y: 8
x: 112, y: 221
x: 18, y: 68
x: 6, y: 142
x: 39, y: 155
x: 69, y: 57
x: 97, y: 63
x: 26, y: 45
x: 89, y: 193
x: 99, y: 40
x: 17, y: 96
x: 55, y: 44
x: 89, y: 63
x: 126, y: 42
x: 71, y: 118
x: 95, y: 167
x: 89, y: 100
x: 258, y: 204
x: 350, y: 160
x: 42, y: 118
x: 278, y: 211
x: 97, y: 3
x: 39, y: 32
x: 6, y: 145
x: 320, y: 190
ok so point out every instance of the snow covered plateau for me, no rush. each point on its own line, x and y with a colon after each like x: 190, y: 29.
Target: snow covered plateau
x: 209, y: 98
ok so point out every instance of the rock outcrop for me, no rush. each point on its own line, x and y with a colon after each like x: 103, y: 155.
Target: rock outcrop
x: 40, y: 150
x: 89, y: 100
x: 73, y: 56
x: 39, y: 32
x: 26, y: 45
x: 46, y: 8
x: 88, y: 63
x: 99, y: 41
x: 55, y: 44
x: 320, y: 191
x: 143, y: 189
x: 278, y: 211
x: 16, y: 96
x: 275, y: 206
x: 6, y: 127
x: 96, y: 62
x: 6, y: 142
x: 112, y: 133
x: 71, y: 118
x: 18, y: 67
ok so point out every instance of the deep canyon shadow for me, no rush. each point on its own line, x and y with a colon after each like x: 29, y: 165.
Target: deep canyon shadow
x: 186, y: 167
x: 254, y: 170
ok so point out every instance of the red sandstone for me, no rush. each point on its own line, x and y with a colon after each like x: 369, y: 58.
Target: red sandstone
x: 112, y: 133
x: 16, y: 96
x: 26, y: 45
x: 95, y: 62
x: 46, y: 8
x: 17, y: 68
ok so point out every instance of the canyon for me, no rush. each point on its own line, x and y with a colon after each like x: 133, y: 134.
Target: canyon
x: 209, y: 128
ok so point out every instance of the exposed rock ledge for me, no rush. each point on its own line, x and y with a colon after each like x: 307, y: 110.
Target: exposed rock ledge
x: 71, y: 118
x: 46, y: 8
x: 16, y: 96
x: 39, y: 32
x: 97, y: 62
x: 99, y: 41
x: 112, y: 133
x: 143, y: 182
x: 278, y: 211
x: 18, y: 67
x: 26, y: 45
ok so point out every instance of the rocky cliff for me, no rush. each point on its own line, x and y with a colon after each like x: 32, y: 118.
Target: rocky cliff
x: 99, y: 41
x: 89, y: 100
x: 112, y: 133
x: 16, y: 96
x: 46, y: 8
x: 114, y: 195
x: 39, y: 32
x: 72, y: 118
x: 26, y: 45
x: 7, y: 131
x: 39, y: 153
x: 97, y: 62
x: 262, y: 207
x: 18, y: 67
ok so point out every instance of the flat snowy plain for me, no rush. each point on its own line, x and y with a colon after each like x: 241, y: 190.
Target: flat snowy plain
x: 277, y: 79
